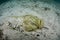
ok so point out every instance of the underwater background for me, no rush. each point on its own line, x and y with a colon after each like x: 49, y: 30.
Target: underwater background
x: 55, y: 4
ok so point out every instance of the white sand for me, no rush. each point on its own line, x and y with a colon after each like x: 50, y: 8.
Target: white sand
x: 19, y: 8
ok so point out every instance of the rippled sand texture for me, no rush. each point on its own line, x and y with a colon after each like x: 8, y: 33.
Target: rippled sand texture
x: 11, y: 28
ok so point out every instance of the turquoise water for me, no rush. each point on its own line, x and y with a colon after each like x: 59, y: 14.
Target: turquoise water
x: 2, y: 1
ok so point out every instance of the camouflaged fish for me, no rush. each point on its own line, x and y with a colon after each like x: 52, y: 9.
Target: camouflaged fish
x: 31, y: 23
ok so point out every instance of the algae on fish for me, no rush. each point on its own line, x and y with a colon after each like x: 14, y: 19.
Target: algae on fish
x: 32, y: 23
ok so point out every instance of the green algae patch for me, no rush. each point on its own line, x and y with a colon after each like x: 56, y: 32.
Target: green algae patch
x: 32, y: 23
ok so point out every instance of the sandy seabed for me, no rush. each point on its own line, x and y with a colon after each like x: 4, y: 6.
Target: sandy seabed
x: 47, y: 12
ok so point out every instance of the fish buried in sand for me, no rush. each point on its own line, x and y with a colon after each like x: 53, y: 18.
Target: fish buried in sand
x: 31, y: 22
